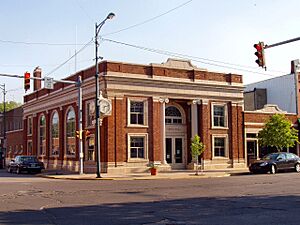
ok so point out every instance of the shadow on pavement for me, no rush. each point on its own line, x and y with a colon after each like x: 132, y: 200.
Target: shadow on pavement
x: 224, y: 210
x: 5, y: 174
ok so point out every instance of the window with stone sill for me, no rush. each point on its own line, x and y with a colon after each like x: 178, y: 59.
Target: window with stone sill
x: 90, y: 143
x: 29, y: 147
x: 54, y: 134
x: 219, y: 115
x: 137, y: 112
x: 137, y: 147
x: 220, y: 147
x: 42, y: 135
x: 70, y: 133
x: 29, y: 126
x: 90, y: 113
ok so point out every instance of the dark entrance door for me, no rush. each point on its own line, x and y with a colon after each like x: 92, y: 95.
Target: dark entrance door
x: 174, y: 152
x: 251, y: 151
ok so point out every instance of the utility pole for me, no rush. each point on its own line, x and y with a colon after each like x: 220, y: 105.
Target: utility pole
x: 2, y: 86
x: 80, y: 146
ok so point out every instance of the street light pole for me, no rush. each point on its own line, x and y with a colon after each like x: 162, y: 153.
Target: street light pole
x: 97, y: 104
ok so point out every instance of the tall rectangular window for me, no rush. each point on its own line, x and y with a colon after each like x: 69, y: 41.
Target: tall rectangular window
x: 42, y: 135
x: 90, y: 149
x: 137, y: 147
x: 219, y: 116
x: 70, y: 133
x: 29, y: 126
x: 29, y: 147
x: 219, y: 147
x: 90, y: 116
x: 136, y: 112
x: 54, y: 134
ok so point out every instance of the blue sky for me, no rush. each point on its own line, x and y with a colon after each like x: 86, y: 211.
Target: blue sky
x: 216, y: 30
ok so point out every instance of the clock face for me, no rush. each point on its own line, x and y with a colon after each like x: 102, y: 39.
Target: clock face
x: 105, y: 106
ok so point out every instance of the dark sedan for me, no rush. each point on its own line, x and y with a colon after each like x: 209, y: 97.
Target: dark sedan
x: 275, y: 162
x: 29, y: 164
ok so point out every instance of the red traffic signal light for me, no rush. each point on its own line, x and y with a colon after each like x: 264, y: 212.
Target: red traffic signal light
x: 87, y: 134
x: 260, y: 54
x: 26, y: 81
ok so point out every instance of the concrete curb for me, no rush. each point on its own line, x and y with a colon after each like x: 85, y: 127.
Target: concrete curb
x: 158, y: 177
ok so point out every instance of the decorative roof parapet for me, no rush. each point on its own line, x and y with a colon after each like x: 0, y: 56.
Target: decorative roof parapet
x: 270, y: 108
x: 178, y: 64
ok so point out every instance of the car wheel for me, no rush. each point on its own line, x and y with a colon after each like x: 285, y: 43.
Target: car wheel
x: 18, y: 171
x: 297, y: 168
x: 273, y: 169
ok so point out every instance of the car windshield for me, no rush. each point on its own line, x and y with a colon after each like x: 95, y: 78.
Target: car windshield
x: 28, y: 159
x: 270, y: 156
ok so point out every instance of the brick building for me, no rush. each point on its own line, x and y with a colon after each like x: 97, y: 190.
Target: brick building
x: 254, y: 122
x: 156, y: 110
x: 14, y: 132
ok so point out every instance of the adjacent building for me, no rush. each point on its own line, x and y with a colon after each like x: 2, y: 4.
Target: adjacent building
x: 12, y: 142
x: 265, y: 98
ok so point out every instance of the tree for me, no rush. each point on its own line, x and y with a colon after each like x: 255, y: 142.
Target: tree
x: 9, y: 106
x: 278, y: 132
x: 197, y: 148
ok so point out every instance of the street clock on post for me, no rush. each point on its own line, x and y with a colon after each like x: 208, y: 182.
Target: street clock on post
x: 105, y: 106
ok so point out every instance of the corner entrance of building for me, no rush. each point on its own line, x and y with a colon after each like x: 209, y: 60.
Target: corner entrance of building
x: 174, y: 152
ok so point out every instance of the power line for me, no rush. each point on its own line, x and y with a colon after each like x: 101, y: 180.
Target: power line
x: 42, y: 65
x: 118, y: 31
x: 149, y: 20
x: 80, y: 50
x: 38, y: 43
x: 84, y: 11
x: 186, y: 57
x: 15, y: 89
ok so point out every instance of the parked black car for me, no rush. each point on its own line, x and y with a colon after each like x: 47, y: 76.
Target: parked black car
x: 25, y: 163
x: 276, y: 161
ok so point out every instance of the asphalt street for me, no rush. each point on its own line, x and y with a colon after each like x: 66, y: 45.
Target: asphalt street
x: 248, y: 199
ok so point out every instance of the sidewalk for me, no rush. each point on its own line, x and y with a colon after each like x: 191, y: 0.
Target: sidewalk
x: 177, y: 174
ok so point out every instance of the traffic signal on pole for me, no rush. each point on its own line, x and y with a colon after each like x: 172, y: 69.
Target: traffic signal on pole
x: 260, y: 54
x: 79, y: 134
x: 87, y: 134
x: 26, y: 81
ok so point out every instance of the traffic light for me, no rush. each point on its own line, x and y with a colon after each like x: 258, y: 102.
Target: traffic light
x: 26, y: 81
x: 79, y: 134
x: 87, y: 134
x: 260, y: 54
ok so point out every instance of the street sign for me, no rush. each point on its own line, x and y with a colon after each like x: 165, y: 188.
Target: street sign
x: 48, y: 83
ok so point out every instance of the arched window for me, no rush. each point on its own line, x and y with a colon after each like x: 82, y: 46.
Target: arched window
x: 173, y: 115
x: 42, y: 135
x: 70, y: 132
x: 54, y: 134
